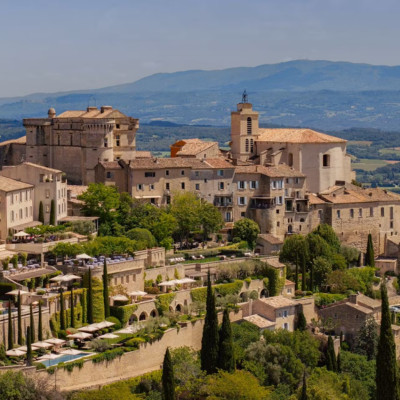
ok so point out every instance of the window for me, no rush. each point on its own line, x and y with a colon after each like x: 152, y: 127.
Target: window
x: 196, y: 173
x: 167, y: 186
x: 12, y: 216
x: 151, y: 186
x: 289, y: 291
x: 47, y: 209
x: 371, y: 212
x: 117, y: 126
x: 360, y: 212
x: 285, y: 313
x: 286, y: 326
x: 296, y: 180
x: 149, y: 174
x: 70, y: 139
x: 278, y: 199
x: 249, y: 126
x: 278, y: 224
x: 253, y: 184
x: 117, y: 140
x: 197, y: 186
x: 382, y: 212
x: 319, y: 214
x: 182, y: 185
x: 105, y: 142
x: 228, y: 216
x: 247, y: 145
x: 166, y: 172
x: 243, y: 214
x: 220, y: 172
x: 391, y: 212
x: 109, y: 175
x: 20, y: 214
x: 241, y: 185
x: 20, y: 197
x: 58, y: 139
x: 391, y: 224
x: 290, y: 159
x: 351, y: 213
x: 338, y: 214
x: 26, y: 212
x: 242, y: 201
x: 221, y: 185
x: 325, y: 160
x: 139, y: 186
x: 168, y: 199
x: 183, y: 172
x: 251, y: 145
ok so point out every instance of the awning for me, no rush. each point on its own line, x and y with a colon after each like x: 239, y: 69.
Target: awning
x: 80, y: 335
x: 74, y: 218
x: 31, y: 224
x: 21, y: 234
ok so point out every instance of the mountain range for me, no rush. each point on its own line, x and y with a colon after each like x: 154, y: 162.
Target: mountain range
x: 320, y: 94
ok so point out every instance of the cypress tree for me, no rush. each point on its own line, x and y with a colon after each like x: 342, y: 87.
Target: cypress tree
x: 301, y: 322
x: 84, y: 308
x: 90, y: 299
x: 62, y: 311
x: 41, y: 213
x: 226, y: 355
x: 331, y: 355
x: 304, y: 388
x: 209, y: 341
x: 29, y: 346
x: 32, y: 324
x: 72, y: 324
x: 303, y: 271
x: 52, y: 213
x: 370, y: 256
x: 40, y: 323
x: 10, y: 328
x: 105, y: 291
x: 168, y: 381
x: 387, y: 387
x: 339, y: 363
x: 296, y: 275
x: 20, y: 339
x: 341, y: 338
x: 311, y: 280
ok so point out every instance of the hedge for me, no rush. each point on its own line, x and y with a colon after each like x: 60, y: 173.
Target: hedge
x: 123, y: 313
x: 135, y: 342
x: 224, y: 289
x: 199, y: 294
x: 323, y: 299
x: 163, y: 301
x: 108, y: 355
x: 6, y: 287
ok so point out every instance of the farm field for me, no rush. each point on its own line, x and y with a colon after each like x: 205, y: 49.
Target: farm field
x: 367, y: 164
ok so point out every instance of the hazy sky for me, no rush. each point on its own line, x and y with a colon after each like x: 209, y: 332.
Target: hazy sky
x: 56, y: 45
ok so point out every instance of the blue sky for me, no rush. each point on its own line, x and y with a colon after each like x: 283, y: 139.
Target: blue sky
x: 58, y: 45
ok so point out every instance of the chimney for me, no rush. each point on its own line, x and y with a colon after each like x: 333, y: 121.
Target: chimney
x: 105, y: 108
x: 353, y: 298
x: 91, y: 109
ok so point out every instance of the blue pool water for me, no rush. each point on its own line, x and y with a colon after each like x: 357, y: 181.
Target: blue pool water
x: 63, y: 358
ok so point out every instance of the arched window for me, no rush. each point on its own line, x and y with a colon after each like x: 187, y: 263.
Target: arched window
x: 251, y: 145
x: 290, y: 160
x: 247, y: 145
x: 249, y: 126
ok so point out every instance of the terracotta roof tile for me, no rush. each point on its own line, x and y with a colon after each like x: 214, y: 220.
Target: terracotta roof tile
x: 108, y: 113
x: 270, y: 238
x: 296, y: 136
x: 278, y: 301
x: 275, y: 171
x: 21, y: 140
x: 195, y: 147
x: 10, y: 185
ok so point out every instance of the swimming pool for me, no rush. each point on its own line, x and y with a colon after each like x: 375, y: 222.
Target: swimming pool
x: 64, y: 358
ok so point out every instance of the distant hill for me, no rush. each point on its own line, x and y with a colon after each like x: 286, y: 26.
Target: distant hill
x: 321, y: 94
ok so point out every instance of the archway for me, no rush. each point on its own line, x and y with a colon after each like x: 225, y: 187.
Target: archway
x: 143, y: 316
x: 178, y: 308
x: 264, y: 294
x: 133, y: 318
x: 290, y: 229
x: 153, y: 313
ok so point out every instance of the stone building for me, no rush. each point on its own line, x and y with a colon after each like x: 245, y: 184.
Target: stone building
x: 50, y: 186
x: 86, y: 137
x: 195, y: 148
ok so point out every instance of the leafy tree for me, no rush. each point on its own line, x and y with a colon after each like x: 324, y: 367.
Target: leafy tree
x: 351, y: 254
x: 293, y: 251
x: 168, y: 381
x: 367, y: 339
x: 370, y: 256
x: 248, y: 230
x: 105, y: 291
x: 52, y: 220
x: 72, y: 316
x: 63, y: 249
x: 10, y: 328
x: 20, y: 339
x: 110, y: 245
x: 90, y: 298
x: 243, y: 334
x: 341, y: 281
x: 304, y: 388
x: 387, y: 387
x: 331, y: 363
x: 40, y: 323
x: 62, y: 311
x: 41, y: 213
x: 303, y: 262
x: 209, y: 341
x: 84, y: 306
x: 301, y: 322
x: 322, y: 268
x: 240, y: 385
x: 226, y: 356
x: 328, y: 234
x: 211, y: 219
x: 101, y: 201
x: 32, y: 324
x: 29, y: 346
x: 142, y: 235
x: 318, y: 247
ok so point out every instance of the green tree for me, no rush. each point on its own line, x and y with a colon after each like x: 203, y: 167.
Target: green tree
x: 168, y: 380
x: 387, y: 387
x: 293, y: 251
x: 84, y: 306
x: 210, y: 219
x: 303, y: 262
x: 40, y: 323
x: 301, y: 322
x: 90, y: 298
x: 328, y: 234
x: 318, y: 247
x: 29, y: 346
x: 101, y: 201
x: 105, y: 291
x: 331, y: 364
x: 20, y: 339
x: 41, y: 213
x: 367, y: 338
x: 370, y: 256
x: 304, y: 388
x: 52, y: 220
x: 322, y: 268
x: 209, y: 341
x: 248, y: 230
x: 10, y: 328
x: 142, y: 235
x: 72, y: 313
x: 63, y: 249
x: 62, y: 310
x: 226, y: 355
x: 32, y: 323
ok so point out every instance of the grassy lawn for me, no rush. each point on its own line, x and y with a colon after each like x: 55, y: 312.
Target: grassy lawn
x: 390, y: 151
x: 369, y: 164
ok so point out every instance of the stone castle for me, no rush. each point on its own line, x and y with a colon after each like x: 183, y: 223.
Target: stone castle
x: 287, y: 180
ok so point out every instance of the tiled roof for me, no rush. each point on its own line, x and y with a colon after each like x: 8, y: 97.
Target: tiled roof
x: 178, y: 162
x: 278, y: 301
x: 296, y: 136
x: 274, y: 262
x: 194, y: 147
x: 110, y: 164
x: 259, y: 321
x: 273, y: 171
x: 108, y: 113
x: 367, y: 301
x: 219, y: 163
x: 358, y: 307
x: 52, y: 170
x: 10, y: 185
x: 314, y: 199
x: 270, y: 238
x: 289, y: 283
x: 76, y: 190
x: 21, y: 140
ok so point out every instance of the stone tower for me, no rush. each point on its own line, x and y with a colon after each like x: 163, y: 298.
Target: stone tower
x: 244, y: 131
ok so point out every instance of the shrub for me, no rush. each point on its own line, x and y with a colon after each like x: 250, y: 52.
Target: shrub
x: 123, y: 313
x: 163, y: 301
x: 254, y: 295
x: 152, y: 290
x: 116, y: 321
x: 6, y: 287
x: 323, y: 299
x: 135, y: 342
x: 108, y: 355
x: 99, y: 345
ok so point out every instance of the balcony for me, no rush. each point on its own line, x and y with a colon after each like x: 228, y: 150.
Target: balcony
x: 261, y: 203
x: 223, y: 201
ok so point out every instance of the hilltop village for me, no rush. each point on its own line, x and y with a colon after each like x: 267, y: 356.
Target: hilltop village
x: 106, y: 251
